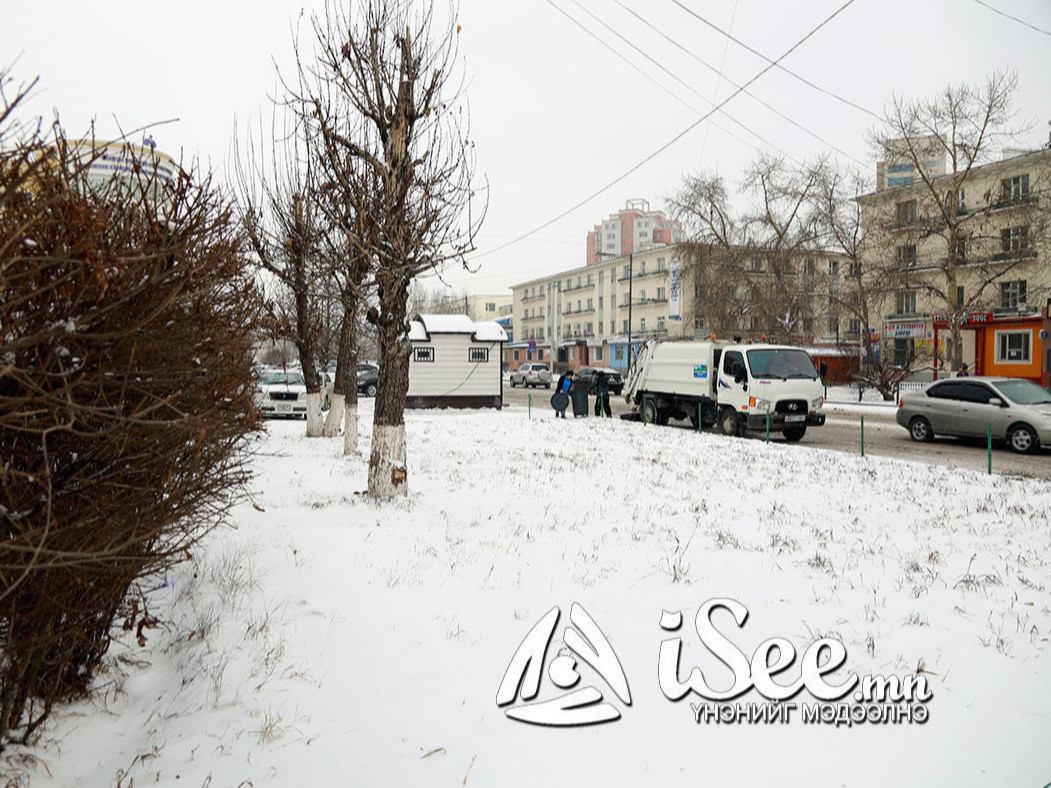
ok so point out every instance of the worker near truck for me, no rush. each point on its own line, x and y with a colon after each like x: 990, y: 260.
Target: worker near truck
x: 601, y: 388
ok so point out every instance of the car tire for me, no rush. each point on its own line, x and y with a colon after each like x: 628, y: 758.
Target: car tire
x: 512, y: 382
x: 1022, y: 439
x: 793, y: 434
x: 729, y: 423
x: 650, y: 411
x: 371, y: 390
x: 920, y: 430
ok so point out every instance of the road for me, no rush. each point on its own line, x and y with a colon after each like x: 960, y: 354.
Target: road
x: 842, y: 432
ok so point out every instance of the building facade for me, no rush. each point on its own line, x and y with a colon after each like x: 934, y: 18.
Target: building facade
x: 996, y: 286
x: 634, y: 229
x: 587, y: 315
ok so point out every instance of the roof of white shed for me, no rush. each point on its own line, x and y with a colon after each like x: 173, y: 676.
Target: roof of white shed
x: 423, y: 326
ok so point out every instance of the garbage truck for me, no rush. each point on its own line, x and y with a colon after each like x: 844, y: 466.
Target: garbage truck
x: 732, y: 387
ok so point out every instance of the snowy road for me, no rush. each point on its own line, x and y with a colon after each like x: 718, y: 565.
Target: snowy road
x: 842, y: 432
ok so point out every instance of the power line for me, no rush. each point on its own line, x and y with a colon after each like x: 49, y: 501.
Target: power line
x: 682, y: 82
x: 1014, y: 18
x: 651, y: 79
x: 719, y: 82
x: 751, y: 95
x: 674, y: 139
x: 788, y: 71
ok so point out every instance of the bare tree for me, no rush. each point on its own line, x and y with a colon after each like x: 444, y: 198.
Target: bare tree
x: 950, y: 227
x: 746, y: 265
x: 388, y: 104
x: 868, y: 289
x: 277, y: 200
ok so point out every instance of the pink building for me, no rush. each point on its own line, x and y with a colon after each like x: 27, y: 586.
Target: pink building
x: 634, y: 229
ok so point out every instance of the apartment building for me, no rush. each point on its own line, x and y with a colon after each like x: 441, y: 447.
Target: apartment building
x: 477, y: 307
x: 586, y: 316
x: 634, y: 229
x: 1000, y: 266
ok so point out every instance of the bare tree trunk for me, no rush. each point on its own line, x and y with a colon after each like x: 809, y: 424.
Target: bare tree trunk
x: 388, y: 473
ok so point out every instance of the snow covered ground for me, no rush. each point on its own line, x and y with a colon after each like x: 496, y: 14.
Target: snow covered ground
x: 331, y: 640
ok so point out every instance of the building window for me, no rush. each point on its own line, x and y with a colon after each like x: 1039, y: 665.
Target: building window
x: 660, y: 263
x: 757, y: 265
x: 540, y: 334
x: 855, y: 269
x: 906, y: 212
x: 906, y: 302
x: 854, y: 326
x: 808, y: 267
x: 626, y: 301
x: 1013, y: 347
x: 423, y: 354
x: 625, y: 328
x: 1012, y: 294
x: 598, y: 353
x: 642, y: 296
x: 591, y: 304
x: 698, y: 323
x: 906, y: 256
x: 833, y: 268
x: 1014, y: 239
x: 697, y: 291
x: 642, y: 268
x: 1016, y: 188
x: 590, y: 280
x: 660, y: 323
x: 661, y: 294
x: 642, y: 324
x: 490, y: 306
x: 516, y: 355
x: 588, y: 330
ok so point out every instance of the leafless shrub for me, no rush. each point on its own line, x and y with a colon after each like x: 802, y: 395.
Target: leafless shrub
x: 125, y: 397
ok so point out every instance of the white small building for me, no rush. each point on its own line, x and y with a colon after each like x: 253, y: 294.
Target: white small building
x: 455, y: 363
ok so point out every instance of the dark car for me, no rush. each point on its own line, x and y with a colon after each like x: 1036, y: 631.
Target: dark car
x: 368, y: 374
x: 585, y: 376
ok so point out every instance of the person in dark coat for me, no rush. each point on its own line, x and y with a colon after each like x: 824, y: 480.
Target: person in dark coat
x: 964, y: 372
x: 565, y: 383
x: 602, y: 395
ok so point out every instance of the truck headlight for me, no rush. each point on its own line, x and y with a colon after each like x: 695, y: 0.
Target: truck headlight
x: 762, y: 404
x: 817, y: 403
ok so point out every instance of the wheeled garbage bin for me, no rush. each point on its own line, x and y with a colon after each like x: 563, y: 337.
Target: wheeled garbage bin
x: 579, y: 396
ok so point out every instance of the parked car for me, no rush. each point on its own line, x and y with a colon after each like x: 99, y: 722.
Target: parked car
x: 368, y: 376
x: 1018, y: 410
x: 585, y: 376
x: 281, y: 394
x: 532, y: 375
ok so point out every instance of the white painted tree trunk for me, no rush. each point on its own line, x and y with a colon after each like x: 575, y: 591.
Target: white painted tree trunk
x: 335, y: 416
x: 350, y: 429
x: 314, y: 423
x: 388, y: 475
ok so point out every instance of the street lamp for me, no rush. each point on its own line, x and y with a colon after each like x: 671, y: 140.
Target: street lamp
x: 631, y: 279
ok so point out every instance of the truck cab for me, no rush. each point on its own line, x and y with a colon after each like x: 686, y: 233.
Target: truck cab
x: 757, y: 383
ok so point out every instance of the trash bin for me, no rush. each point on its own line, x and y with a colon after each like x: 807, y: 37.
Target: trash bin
x: 579, y: 396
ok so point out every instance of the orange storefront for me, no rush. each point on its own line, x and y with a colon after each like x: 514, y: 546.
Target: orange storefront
x: 1010, y: 345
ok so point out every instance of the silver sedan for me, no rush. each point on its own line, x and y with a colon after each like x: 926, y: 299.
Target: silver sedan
x: 1018, y: 411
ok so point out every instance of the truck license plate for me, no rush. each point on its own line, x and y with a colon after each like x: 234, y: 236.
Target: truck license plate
x: 284, y: 408
x: 795, y: 418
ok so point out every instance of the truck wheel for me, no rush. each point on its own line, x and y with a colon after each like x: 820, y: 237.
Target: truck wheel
x: 650, y: 413
x: 793, y: 434
x: 729, y: 424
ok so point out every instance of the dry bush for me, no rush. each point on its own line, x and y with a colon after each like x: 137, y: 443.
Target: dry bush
x: 125, y: 400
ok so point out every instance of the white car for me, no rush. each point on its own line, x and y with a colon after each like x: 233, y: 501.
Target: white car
x: 282, y: 394
x: 531, y: 375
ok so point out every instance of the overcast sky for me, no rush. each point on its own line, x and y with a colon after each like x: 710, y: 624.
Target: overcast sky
x: 556, y: 115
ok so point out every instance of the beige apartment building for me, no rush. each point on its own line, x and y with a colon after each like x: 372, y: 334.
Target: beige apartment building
x: 1002, y: 277
x: 585, y: 316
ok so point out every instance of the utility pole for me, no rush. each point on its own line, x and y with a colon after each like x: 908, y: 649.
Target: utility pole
x: 631, y: 279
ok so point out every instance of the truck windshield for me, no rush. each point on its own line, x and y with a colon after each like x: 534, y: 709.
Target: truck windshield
x: 783, y: 363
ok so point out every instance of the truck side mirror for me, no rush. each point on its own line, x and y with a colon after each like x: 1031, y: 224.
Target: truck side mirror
x: 824, y: 369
